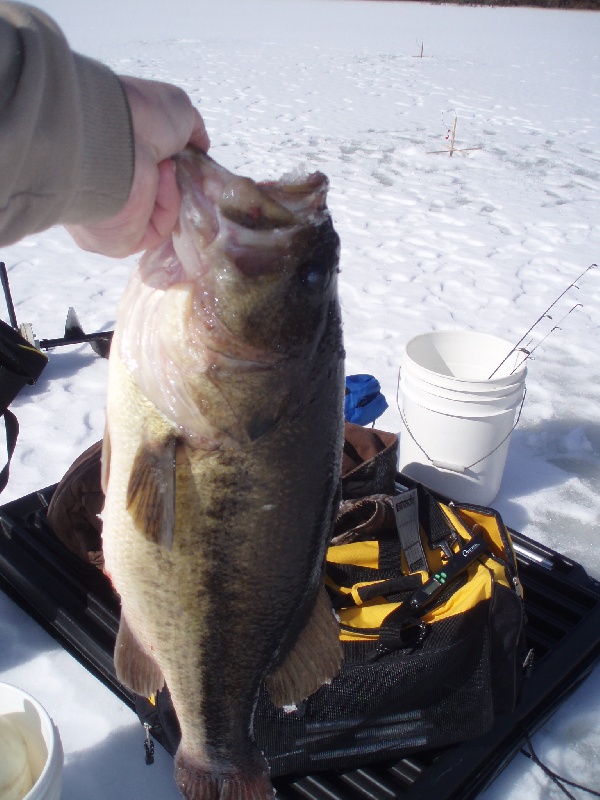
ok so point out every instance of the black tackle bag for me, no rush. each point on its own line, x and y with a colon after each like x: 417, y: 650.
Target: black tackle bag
x: 431, y: 614
x: 20, y: 364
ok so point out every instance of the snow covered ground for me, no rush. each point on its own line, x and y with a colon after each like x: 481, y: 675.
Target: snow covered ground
x: 484, y: 240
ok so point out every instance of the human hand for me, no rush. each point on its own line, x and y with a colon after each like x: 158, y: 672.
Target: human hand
x: 164, y: 122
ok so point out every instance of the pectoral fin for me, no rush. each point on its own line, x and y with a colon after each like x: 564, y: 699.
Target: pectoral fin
x: 151, y: 491
x: 315, y: 659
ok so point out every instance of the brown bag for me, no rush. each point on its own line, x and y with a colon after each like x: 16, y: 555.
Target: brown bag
x: 370, y: 461
x: 73, y: 513
x: 368, y: 468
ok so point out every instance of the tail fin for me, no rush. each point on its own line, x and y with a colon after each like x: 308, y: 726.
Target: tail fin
x: 196, y: 782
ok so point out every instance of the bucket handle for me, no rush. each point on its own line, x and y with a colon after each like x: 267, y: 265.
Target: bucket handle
x: 443, y: 464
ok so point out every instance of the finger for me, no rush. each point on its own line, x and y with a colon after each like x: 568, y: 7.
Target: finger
x: 199, y: 136
x: 166, y: 207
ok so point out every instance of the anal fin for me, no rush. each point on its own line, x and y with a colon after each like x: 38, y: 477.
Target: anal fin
x: 151, y: 491
x: 315, y: 658
x: 135, y: 668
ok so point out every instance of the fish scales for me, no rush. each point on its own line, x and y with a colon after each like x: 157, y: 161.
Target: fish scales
x: 222, y: 463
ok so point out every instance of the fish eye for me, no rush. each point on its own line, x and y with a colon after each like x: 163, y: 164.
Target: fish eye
x: 314, y: 275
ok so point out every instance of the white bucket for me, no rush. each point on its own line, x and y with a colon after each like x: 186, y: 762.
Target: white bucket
x: 44, y: 748
x: 457, y: 420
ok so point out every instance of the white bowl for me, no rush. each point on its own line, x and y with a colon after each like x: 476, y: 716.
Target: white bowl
x: 44, y: 747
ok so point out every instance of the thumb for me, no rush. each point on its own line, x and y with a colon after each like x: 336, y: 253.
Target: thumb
x: 199, y: 136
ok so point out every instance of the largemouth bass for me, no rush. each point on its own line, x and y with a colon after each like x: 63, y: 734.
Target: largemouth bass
x: 222, y: 463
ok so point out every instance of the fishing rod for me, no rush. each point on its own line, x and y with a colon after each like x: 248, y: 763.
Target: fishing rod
x: 529, y: 353
x: 545, y: 315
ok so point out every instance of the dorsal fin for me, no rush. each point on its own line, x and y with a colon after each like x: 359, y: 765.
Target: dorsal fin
x: 315, y: 658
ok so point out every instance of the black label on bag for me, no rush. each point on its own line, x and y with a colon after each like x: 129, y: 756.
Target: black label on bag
x: 406, y: 509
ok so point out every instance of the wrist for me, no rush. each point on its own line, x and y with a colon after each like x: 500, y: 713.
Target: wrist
x: 108, y: 153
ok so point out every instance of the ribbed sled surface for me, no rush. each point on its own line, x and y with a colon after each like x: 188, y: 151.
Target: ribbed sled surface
x: 76, y: 604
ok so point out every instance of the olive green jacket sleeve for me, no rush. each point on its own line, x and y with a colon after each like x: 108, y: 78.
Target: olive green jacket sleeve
x: 66, y: 142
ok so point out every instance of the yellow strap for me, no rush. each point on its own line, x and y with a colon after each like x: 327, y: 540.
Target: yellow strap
x: 478, y: 587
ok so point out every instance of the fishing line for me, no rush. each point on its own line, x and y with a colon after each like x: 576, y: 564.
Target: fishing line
x: 529, y: 353
x: 545, y: 315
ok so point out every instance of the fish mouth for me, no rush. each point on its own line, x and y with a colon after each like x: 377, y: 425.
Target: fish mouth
x: 255, y: 222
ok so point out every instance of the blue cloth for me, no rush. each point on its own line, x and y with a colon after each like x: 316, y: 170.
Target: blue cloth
x: 364, y: 401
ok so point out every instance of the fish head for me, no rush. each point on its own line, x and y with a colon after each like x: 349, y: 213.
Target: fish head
x: 264, y: 256
x: 244, y: 294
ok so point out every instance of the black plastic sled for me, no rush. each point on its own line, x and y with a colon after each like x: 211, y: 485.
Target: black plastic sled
x: 77, y: 605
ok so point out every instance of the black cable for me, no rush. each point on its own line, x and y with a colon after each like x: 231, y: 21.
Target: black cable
x: 558, y: 779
